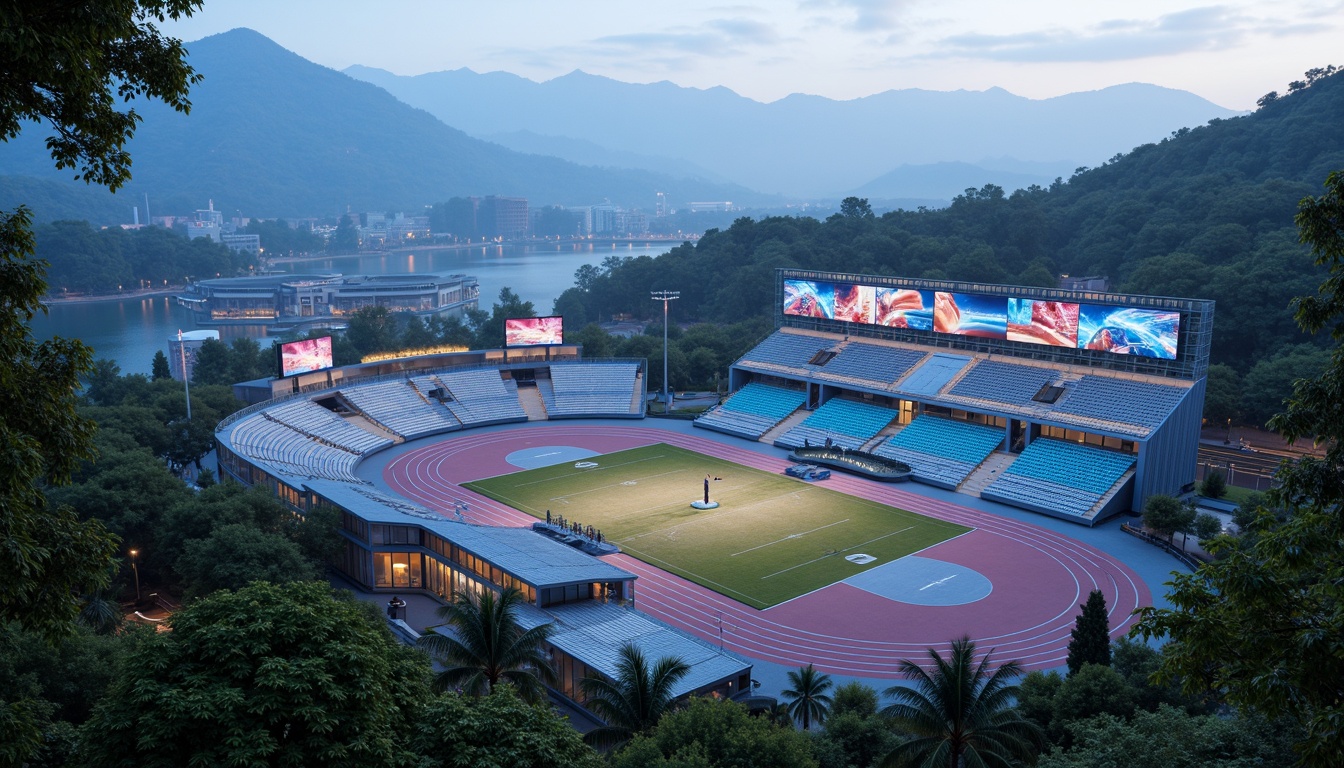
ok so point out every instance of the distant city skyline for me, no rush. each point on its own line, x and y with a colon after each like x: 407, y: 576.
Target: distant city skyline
x: 1229, y: 53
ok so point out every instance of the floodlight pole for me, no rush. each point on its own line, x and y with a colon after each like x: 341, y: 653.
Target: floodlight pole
x: 665, y: 296
x: 186, y: 376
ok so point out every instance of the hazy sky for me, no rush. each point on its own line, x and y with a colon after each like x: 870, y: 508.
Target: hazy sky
x: 1230, y: 53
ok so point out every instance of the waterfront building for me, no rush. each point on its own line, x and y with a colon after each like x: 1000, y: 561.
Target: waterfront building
x: 291, y: 299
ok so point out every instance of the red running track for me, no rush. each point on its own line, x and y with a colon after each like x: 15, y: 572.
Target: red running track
x: 1039, y: 577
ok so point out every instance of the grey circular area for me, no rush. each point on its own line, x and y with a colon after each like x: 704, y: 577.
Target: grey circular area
x: 924, y: 581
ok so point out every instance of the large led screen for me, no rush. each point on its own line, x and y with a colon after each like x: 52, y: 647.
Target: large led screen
x: 854, y: 303
x: 904, y: 308
x: 533, y: 331
x: 1128, y: 331
x: 804, y: 298
x: 968, y: 314
x: 305, y: 356
x: 1043, y: 322
x: 1102, y: 328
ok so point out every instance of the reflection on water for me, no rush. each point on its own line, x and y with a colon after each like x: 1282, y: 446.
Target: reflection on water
x: 131, y: 330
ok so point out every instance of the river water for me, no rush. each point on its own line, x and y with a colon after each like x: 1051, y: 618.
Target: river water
x: 130, y: 330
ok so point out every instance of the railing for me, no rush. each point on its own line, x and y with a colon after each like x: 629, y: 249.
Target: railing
x: 1185, y: 559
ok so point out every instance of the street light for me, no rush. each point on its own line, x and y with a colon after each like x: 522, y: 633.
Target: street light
x: 136, y: 571
x: 665, y: 296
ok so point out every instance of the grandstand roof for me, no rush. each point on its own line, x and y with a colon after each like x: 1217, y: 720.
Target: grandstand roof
x: 594, y: 632
x: 1093, y: 400
x: 535, y: 559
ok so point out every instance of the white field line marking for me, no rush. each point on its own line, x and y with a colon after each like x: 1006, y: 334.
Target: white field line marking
x: 833, y: 554
x: 938, y: 582
x: 790, y: 536
x: 693, y: 576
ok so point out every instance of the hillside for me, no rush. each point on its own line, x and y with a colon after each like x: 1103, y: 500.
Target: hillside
x: 1205, y: 213
x: 804, y: 146
x: 272, y: 134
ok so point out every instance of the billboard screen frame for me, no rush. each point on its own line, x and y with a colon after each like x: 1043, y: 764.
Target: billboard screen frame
x: 560, y: 337
x: 283, y: 353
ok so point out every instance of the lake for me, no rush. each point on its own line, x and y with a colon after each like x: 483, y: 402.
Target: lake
x: 130, y: 330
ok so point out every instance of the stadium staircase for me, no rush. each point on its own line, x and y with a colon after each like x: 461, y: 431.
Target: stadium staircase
x: 361, y: 420
x: 891, y: 430
x: 794, y: 419
x: 530, y: 399
x: 988, y: 471
x: 1105, y: 499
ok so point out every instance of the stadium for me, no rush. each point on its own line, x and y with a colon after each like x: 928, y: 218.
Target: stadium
x: 1027, y: 417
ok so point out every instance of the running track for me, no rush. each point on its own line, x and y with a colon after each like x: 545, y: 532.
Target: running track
x: 1040, y: 577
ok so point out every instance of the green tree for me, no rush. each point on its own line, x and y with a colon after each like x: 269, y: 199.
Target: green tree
x: 854, y: 697
x: 1090, y: 640
x: 806, y: 695
x: 267, y: 675
x: 372, y: 329
x: 1172, y: 738
x: 1261, y: 622
x: 1222, y: 394
x: 346, y: 237
x: 214, y: 363
x: 856, y: 208
x: 489, y: 646
x: 1092, y: 690
x: 233, y: 556
x: 1167, y: 516
x: 160, y: 368
x: 961, y: 713
x: 1214, y: 485
x: 851, y: 739
x: 709, y: 733
x: 1269, y: 383
x: 636, y: 700
x: 495, y: 731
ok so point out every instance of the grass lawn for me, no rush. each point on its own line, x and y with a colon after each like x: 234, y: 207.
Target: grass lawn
x: 772, y: 538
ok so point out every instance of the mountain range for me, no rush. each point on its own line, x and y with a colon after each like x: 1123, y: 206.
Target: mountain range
x: 272, y: 134
x: 802, y: 146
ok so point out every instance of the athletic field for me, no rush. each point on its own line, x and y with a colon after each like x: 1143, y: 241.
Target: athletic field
x: 772, y: 538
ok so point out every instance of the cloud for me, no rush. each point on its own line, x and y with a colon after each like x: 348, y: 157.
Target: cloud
x: 1211, y: 28
x: 862, y: 15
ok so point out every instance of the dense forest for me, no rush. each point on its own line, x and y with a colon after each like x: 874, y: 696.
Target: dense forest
x: 82, y: 259
x: 1205, y: 213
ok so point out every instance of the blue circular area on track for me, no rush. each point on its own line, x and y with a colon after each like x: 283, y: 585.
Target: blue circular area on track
x: 548, y: 455
x: 924, y: 581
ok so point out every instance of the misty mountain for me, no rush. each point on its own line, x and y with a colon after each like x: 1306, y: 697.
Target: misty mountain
x: 804, y: 146
x: 587, y: 153
x: 944, y: 181
x: 272, y: 134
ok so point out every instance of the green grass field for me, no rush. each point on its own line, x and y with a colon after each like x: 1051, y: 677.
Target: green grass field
x: 772, y: 538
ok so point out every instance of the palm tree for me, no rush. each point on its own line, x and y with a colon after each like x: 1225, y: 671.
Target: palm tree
x: 807, y: 698
x: 960, y: 714
x: 635, y: 700
x: 489, y: 645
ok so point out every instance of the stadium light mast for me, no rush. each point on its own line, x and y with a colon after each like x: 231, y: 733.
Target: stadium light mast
x: 665, y: 297
x: 186, y: 376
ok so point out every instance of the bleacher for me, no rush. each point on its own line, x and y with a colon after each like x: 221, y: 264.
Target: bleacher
x: 592, y: 389
x: 788, y: 350
x: 1121, y: 400
x: 480, y: 397
x: 752, y: 411
x: 1060, y: 476
x: 292, y: 452
x: 402, y: 407
x: 312, y: 419
x: 871, y: 364
x: 848, y: 423
x: 942, y: 452
x: 1003, y: 382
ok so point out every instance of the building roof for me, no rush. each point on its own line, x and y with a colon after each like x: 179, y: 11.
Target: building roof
x: 529, y: 556
x: 593, y: 632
